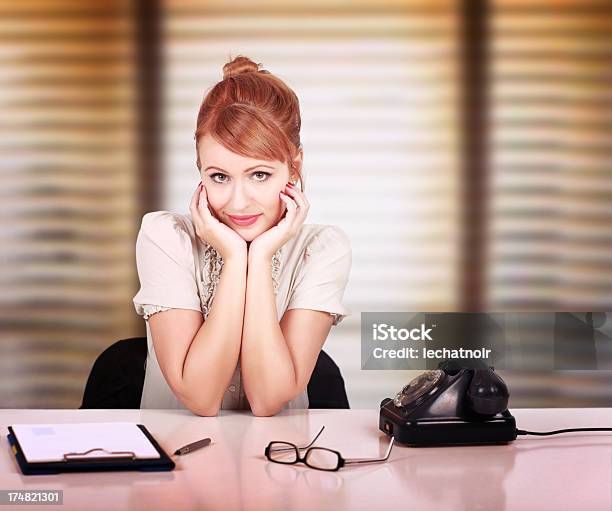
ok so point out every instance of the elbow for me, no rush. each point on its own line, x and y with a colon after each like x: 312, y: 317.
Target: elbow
x: 208, y: 408
x: 262, y: 407
x: 265, y: 410
x: 266, y: 404
x: 210, y: 411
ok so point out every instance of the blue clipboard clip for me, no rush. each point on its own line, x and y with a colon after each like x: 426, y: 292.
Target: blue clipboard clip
x: 83, y: 456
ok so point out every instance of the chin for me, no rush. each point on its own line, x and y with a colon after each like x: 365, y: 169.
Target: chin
x: 247, y: 235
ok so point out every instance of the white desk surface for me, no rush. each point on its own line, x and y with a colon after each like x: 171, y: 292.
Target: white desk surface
x: 562, y: 472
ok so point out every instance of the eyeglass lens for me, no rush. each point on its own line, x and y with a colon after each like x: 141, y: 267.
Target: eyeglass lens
x: 283, y: 452
x: 315, y: 457
x: 323, y: 459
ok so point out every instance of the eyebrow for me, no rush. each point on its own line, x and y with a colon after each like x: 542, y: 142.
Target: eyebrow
x: 245, y: 170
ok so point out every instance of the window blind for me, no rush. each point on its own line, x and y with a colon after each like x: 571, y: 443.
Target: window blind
x: 67, y: 187
x: 552, y: 189
x: 377, y: 83
x: 551, y: 168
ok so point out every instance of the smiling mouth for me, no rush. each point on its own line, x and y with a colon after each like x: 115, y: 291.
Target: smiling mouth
x: 243, y: 217
x: 244, y: 220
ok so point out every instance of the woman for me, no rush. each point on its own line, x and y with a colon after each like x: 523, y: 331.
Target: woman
x: 240, y: 295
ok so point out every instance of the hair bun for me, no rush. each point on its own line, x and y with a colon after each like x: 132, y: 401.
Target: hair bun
x: 239, y: 66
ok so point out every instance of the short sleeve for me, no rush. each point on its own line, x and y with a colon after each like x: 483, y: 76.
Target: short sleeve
x: 165, y: 264
x: 323, y: 274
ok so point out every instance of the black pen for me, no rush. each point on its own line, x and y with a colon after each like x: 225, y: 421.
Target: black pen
x: 192, y: 447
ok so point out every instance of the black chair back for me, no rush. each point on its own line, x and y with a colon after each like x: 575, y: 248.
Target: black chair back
x: 117, y: 378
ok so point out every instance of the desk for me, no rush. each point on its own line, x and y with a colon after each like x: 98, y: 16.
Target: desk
x: 564, y: 472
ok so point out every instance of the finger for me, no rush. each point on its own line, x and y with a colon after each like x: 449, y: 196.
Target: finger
x: 195, y: 195
x: 291, y: 203
x: 291, y: 208
x: 194, y: 201
x: 302, y: 203
x: 203, y: 204
x: 298, y: 196
x: 208, y: 210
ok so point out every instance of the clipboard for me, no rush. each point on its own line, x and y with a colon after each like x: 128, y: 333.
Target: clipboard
x: 92, y: 461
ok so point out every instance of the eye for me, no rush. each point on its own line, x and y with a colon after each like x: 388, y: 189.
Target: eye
x: 262, y: 175
x: 214, y: 177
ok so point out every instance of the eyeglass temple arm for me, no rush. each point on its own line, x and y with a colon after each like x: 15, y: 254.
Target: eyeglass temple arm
x: 348, y: 461
x: 281, y: 449
x: 314, y: 439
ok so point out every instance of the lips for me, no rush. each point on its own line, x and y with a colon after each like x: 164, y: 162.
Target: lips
x: 244, y: 221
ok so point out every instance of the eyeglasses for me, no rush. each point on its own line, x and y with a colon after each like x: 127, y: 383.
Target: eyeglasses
x: 319, y: 458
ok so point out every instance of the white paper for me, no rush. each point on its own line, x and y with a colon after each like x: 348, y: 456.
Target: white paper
x: 49, y: 442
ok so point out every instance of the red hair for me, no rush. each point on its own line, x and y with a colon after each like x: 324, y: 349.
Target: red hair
x: 253, y: 113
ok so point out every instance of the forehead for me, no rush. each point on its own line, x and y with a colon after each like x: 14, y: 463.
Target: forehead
x: 215, y: 154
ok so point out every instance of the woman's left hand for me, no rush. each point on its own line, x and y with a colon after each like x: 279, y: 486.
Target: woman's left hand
x: 268, y: 242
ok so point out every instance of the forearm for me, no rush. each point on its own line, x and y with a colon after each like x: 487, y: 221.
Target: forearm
x: 267, y: 367
x: 214, y: 351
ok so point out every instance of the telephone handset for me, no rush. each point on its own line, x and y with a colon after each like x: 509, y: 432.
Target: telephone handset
x: 451, y: 405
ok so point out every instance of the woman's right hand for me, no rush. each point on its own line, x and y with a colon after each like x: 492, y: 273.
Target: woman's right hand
x: 227, y: 242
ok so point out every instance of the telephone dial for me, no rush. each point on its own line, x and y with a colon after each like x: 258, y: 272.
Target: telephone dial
x: 450, y: 405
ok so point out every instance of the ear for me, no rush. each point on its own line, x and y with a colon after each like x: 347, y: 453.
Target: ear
x: 297, y: 166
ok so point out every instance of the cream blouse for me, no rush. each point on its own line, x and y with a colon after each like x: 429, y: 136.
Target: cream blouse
x: 178, y: 270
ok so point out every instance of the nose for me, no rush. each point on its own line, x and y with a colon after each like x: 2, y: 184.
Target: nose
x: 240, y: 198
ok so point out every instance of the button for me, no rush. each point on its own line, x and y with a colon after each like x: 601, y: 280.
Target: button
x: 232, y: 388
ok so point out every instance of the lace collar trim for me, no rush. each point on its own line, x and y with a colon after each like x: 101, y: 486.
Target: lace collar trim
x: 212, y: 263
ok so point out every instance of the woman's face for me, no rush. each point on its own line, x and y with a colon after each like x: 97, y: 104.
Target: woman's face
x: 238, y: 186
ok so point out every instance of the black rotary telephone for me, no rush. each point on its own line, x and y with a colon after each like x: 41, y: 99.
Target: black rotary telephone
x: 451, y: 405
